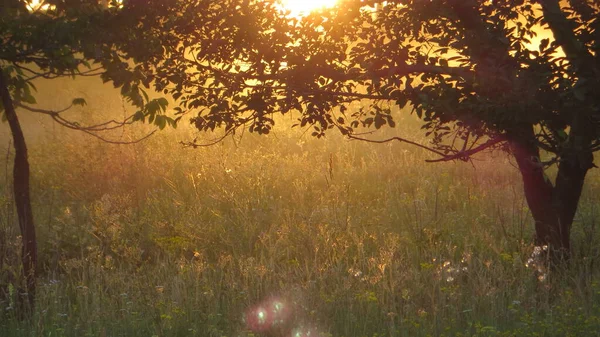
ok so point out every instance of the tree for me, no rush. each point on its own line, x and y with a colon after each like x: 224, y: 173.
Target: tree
x: 72, y: 38
x: 474, y: 71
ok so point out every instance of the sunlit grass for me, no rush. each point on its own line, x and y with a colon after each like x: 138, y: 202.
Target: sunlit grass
x: 358, y: 239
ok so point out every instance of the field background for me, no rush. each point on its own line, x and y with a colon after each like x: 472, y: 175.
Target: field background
x: 359, y: 239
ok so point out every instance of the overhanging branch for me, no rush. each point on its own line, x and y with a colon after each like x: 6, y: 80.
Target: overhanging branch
x: 92, y: 130
x: 465, y: 154
x: 55, y: 114
x: 399, y: 139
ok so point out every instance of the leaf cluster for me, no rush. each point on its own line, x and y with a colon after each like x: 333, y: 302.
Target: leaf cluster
x: 81, y: 38
x: 472, y: 70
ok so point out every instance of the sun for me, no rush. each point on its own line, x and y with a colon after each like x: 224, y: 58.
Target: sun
x: 302, y: 7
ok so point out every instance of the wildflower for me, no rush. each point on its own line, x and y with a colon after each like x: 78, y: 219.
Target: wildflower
x: 355, y: 272
x: 535, y: 262
x: 466, y: 257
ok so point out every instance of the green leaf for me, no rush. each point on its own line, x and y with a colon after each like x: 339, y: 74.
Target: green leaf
x: 163, y: 103
x: 139, y: 116
x: 79, y: 101
x: 152, y: 107
x: 562, y: 135
x: 160, y: 121
x: 27, y: 97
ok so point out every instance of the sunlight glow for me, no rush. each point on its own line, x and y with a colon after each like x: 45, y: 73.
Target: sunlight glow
x: 35, y: 5
x: 42, y: 5
x: 303, y: 7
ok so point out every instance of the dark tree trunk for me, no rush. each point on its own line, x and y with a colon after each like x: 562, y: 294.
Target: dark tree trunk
x: 22, y: 200
x: 553, y: 207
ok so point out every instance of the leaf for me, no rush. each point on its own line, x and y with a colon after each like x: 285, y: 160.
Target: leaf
x: 562, y: 135
x: 27, y: 97
x: 543, y: 44
x: 163, y: 103
x: 160, y: 121
x: 79, y: 101
x: 139, y: 116
x: 379, y: 121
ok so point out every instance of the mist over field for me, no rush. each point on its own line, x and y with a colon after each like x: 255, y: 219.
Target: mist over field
x: 281, y: 168
x: 260, y: 234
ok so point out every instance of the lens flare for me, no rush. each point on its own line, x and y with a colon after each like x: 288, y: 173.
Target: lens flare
x: 269, y: 315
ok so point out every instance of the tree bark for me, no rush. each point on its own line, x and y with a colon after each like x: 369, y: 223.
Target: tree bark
x: 22, y: 200
x: 552, y: 207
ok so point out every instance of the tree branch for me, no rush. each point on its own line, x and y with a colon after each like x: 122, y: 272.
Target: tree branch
x: 90, y: 130
x: 576, y: 52
x: 105, y: 126
x: 464, y: 155
x: 195, y: 145
x: 465, y: 73
x: 400, y: 139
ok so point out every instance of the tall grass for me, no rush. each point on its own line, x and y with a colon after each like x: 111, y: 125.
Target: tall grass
x: 361, y: 239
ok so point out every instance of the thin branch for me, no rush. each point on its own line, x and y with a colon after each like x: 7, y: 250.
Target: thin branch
x: 344, y: 94
x: 195, y: 145
x: 135, y: 141
x: 43, y: 111
x: 104, y: 126
x: 552, y: 161
x: 465, y: 73
x: 545, y: 136
x: 38, y: 74
x: 94, y: 134
x: 477, y: 138
x: 463, y: 155
x: 467, y: 141
x: 400, y: 139
x: 48, y: 75
x: 90, y: 130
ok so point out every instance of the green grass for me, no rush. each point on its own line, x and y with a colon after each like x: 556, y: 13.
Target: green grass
x: 361, y: 239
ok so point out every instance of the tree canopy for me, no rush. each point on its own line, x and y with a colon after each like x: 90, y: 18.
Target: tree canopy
x: 78, y: 38
x: 511, y: 74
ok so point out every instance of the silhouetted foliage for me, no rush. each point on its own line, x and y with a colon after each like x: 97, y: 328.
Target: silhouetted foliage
x: 65, y: 38
x: 511, y: 74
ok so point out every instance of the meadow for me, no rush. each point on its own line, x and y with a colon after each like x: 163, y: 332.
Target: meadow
x: 356, y: 239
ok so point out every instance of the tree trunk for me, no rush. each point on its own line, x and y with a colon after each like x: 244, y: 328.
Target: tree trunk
x: 553, y: 207
x: 22, y: 200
